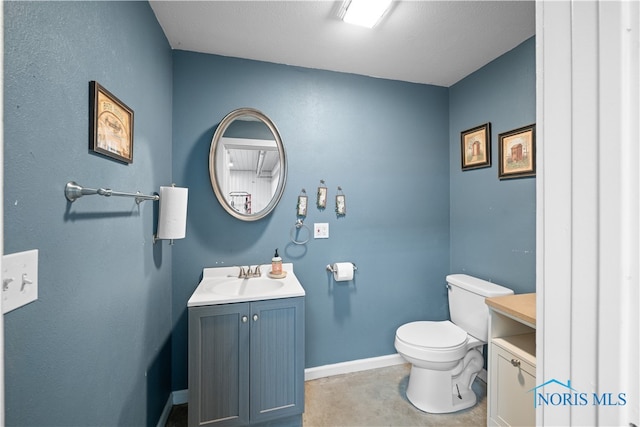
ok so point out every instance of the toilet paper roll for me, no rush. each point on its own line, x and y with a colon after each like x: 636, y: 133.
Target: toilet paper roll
x: 172, y: 218
x: 342, y: 271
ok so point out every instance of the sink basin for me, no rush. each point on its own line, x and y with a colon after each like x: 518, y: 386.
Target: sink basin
x: 220, y: 285
x: 239, y: 287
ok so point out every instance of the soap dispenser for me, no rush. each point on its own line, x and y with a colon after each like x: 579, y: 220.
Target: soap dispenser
x: 276, y: 264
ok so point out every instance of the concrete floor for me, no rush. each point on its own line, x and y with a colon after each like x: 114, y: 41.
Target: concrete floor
x: 369, y: 398
x: 377, y: 398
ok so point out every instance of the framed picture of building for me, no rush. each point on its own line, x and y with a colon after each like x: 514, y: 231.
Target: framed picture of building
x: 517, y: 154
x: 111, y: 125
x: 475, y: 147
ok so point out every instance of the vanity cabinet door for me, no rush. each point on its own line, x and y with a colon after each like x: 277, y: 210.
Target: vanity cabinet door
x: 246, y: 363
x: 219, y: 365
x: 277, y: 359
x: 512, y: 380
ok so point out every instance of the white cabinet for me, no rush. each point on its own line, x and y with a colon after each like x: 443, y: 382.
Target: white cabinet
x: 512, y: 361
x: 512, y: 376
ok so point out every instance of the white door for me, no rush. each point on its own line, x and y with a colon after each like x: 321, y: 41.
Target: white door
x: 588, y: 192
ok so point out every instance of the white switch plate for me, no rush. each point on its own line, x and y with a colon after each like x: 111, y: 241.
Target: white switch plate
x: 19, y: 279
x: 321, y: 230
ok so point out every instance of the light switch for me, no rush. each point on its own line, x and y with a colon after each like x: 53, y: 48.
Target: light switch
x: 19, y: 279
x: 321, y: 230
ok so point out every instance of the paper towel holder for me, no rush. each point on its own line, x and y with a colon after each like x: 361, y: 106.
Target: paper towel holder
x: 73, y: 191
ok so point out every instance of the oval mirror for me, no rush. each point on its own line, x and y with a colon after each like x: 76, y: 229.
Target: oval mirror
x: 247, y: 164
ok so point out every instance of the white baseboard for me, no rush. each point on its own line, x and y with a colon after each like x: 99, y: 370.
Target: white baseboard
x: 165, y: 412
x: 352, y: 366
x: 177, y: 397
x: 362, y: 365
x: 180, y: 396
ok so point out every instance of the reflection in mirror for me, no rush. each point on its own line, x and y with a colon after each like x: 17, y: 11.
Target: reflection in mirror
x: 247, y: 164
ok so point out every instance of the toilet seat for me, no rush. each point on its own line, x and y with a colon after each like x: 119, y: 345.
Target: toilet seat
x: 434, y: 335
x: 435, y: 341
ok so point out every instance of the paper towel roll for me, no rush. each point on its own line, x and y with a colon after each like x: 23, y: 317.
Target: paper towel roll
x: 172, y: 218
x: 342, y: 271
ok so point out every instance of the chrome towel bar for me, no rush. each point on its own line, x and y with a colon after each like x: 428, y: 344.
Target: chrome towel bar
x: 73, y: 191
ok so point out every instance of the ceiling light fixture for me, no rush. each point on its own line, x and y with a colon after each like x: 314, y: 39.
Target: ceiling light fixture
x: 260, y: 164
x: 365, y: 13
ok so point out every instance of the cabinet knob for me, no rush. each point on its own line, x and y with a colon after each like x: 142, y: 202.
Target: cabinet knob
x: 515, y: 362
x: 244, y: 319
x: 255, y: 317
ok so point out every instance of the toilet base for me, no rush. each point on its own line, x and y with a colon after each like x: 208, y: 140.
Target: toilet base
x: 436, y: 392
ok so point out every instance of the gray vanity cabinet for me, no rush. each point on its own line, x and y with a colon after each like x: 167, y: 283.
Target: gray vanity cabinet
x: 246, y: 362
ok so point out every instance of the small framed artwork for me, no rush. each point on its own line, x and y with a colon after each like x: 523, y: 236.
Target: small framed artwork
x: 322, y: 197
x: 341, y: 205
x: 475, y: 147
x: 111, y: 125
x: 302, y: 206
x: 517, y: 153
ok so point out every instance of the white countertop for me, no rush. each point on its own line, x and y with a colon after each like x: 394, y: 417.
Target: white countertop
x: 251, y: 289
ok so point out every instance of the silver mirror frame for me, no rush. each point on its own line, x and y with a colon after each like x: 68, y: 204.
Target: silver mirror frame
x: 217, y: 136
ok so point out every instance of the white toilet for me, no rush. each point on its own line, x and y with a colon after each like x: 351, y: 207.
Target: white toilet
x: 444, y: 355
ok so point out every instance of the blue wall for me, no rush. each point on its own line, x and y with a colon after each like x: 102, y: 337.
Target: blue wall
x: 384, y: 142
x: 94, y: 349
x: 493, y: 221
x: 106, y: 340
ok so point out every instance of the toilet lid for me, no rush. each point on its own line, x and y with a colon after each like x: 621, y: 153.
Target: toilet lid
x: 432, y: 334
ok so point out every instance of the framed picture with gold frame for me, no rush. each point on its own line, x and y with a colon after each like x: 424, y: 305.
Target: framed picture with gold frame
x: 475, y: 147
x: 111, y: 125
x: 517, y: 153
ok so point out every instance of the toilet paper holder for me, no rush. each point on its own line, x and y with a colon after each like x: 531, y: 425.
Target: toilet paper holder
x: 331, y: 269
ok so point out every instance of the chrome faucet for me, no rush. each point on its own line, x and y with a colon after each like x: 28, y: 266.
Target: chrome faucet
x: 249, y: 273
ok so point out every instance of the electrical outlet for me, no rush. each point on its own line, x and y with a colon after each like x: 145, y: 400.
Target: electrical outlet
x: 321, y: 230
x: 19, y: 279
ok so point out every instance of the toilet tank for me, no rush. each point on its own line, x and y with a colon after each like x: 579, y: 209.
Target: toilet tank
x: 466, y: 303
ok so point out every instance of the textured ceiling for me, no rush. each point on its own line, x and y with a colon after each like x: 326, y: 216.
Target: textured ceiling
x: 433, y: 42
